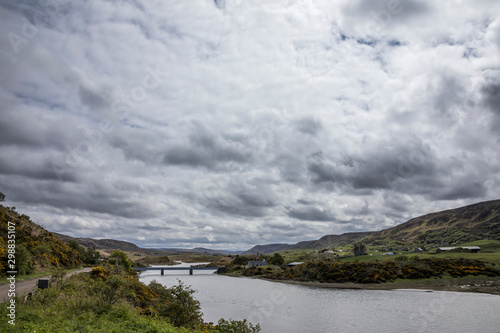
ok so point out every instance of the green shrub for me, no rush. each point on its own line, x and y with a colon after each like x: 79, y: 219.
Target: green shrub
x: 117, y: 302
x: 177, y: 304
x: 449, y: 236
x: 235, y: 326
x: 373, y: 272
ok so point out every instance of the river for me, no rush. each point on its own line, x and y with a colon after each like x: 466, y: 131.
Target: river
x: 283, y: 308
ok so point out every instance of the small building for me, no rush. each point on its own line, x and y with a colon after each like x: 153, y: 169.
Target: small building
x: 257, y: 263
x: 473, y: 249
x: 293, y: 264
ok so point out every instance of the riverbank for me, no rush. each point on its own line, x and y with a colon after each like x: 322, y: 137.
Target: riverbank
x: 111, y: 298
x: 473, y: 284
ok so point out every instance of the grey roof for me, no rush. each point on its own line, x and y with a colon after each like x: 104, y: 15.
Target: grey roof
x: 295, y: 263
x: 460, y: 247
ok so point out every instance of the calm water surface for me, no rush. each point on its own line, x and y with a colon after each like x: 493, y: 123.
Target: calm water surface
x: 282, y: 308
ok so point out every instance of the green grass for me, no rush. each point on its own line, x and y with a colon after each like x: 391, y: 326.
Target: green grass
x: 37, y: 275
x: 71, y: 306
x: 488, y: 257
x: 66, y: 317
x: 485, y: 244
x: 111, y: 299
x: 490, y: 253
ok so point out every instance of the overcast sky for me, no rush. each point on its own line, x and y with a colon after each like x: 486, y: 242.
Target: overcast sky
x: 230, y: 123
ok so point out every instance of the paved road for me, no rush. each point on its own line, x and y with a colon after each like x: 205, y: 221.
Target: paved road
x: 23, y: 287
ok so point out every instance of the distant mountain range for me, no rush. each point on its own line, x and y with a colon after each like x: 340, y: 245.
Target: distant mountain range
x: 195, y: 250
x: 327, y: 241
x: 100, y: 244
x: 480, y: 221
x: 111, y: 244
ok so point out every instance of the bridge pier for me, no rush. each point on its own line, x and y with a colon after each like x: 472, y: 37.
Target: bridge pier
x: 190, y: 268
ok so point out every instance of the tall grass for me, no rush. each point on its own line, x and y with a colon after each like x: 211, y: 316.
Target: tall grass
x: 110, y: 299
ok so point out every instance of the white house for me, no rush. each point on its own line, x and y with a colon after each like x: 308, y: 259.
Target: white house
x: 293, y: 264
x: 473, y: 249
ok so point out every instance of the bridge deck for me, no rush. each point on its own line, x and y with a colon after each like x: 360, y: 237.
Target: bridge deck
x: 174, y: 268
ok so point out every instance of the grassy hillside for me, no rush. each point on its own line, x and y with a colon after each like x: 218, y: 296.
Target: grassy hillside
x: 100, y: 244
x: 266, y: 249
x: 331, y: 241
x: 325, y: 242
x: 469, y: 223
x: 36, y: 248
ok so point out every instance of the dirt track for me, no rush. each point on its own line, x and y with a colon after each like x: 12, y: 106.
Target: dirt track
x: 23, y: 287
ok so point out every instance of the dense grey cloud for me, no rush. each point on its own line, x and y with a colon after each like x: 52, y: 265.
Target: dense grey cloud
x: 308, y: 125
x: 311, y: 214
x: 207, y: 149
x: 231, y: 123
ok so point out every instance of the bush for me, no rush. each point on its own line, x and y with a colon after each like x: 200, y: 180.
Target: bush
x: 234, y: 326
x: 120, y: 258
x: 449, y: 236
x: 277, y: 259
x: 373, y: 272
x: 177, y: 304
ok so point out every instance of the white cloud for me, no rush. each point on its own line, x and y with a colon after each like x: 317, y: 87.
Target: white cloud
x: 230, y: 123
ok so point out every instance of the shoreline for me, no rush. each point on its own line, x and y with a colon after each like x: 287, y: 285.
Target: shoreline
x: 477, y: 285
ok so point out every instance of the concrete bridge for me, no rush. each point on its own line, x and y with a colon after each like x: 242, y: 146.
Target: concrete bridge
x: 174, y: 268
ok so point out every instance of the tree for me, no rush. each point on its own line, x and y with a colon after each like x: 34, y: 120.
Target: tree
x: 359, y: 249
x: 277, y: 259
x: 2, y: 197
x: 88, y: 256
x: 24, y: 261
x: 91, y: 256
x: 119, y: 258
x: 177, y: 304
x: 236, y: 326
x: 240, y: 261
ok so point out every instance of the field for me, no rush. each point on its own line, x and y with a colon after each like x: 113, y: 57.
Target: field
x: 490, y: 253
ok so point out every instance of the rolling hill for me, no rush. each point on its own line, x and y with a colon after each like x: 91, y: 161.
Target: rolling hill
x: 453, y: 226
x: 100, y: 244
x: 481, y: 220
x: 36, y: 249
x: 266, y: 249
x: 327, y: 241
